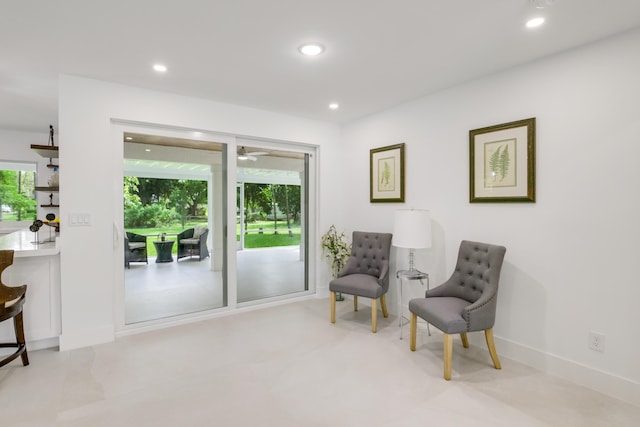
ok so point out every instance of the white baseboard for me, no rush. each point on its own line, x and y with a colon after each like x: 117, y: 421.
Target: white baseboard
x: 85, y: 337
x: 603, y: 382
x: 42, y: 344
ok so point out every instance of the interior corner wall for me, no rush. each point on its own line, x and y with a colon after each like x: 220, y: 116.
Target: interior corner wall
x: 89, y: 173
x: 572, y: 255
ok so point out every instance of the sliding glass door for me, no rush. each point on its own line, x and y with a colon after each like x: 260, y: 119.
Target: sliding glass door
x: 180, y: 256
x: 272, y: 214
x: 172, y: 196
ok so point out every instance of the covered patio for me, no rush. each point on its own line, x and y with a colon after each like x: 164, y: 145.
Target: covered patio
x: 155, y: 291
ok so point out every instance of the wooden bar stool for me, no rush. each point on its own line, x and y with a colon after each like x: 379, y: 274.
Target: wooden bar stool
x: 11, y: 301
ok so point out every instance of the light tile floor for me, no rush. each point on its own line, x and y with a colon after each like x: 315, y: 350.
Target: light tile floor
x: 155, y: 291
x: 289, y: 366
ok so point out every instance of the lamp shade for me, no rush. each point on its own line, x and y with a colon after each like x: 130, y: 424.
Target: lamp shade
x: 412, y: 229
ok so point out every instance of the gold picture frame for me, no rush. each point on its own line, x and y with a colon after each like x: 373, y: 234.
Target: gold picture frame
x: 502, y: 163
x: 386, y: 174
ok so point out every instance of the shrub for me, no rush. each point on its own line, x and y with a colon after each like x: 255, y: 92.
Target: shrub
x: 150, y: 216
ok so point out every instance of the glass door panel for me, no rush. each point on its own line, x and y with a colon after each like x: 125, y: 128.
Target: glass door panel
x: 271, y: 229
x: 173, y: 195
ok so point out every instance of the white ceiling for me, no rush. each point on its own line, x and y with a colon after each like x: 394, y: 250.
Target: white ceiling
x: 379, y: 53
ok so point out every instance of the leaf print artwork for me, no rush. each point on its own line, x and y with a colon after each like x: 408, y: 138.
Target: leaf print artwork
x: 386, y: 175
x: 499, y: 169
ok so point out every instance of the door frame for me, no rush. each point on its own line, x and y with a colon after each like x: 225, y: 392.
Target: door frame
x: 232, y: 142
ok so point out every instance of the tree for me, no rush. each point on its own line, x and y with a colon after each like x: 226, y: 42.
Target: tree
x: 131, y: 197
x: 187, y: 197
x: 151, y: 202
x: 254, y: 197
x: 154, y: 190
x: 255, y: 202
x: 16, y: 190
x: 288, y: 199
x: 269, y: 193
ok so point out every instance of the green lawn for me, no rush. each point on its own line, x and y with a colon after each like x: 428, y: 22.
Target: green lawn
x: 12, y: 216
x: 255, y: 240
x: 252, y: 239
x: 268, y: 238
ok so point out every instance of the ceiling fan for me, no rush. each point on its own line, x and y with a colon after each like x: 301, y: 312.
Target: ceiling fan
x: 243, y: 154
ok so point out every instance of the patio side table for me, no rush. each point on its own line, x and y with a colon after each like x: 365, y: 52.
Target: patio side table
x: 163, y: 249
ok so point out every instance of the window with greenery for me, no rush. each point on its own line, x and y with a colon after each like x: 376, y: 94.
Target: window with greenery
x: 153, y: 202
x: 17, y: 191
x: 272, y: 215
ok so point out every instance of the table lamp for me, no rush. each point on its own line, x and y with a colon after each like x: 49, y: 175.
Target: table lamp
x: 412, y: 229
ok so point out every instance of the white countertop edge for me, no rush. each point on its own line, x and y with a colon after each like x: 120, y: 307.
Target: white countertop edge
x: 20, y: 243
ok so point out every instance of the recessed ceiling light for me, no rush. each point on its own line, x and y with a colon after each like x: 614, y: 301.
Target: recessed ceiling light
x: 147, y: 150
x: 160, y: 68
x: 128, y: 138
x: 311, y: 49
x: 535, y: 22
x: 334, y: 106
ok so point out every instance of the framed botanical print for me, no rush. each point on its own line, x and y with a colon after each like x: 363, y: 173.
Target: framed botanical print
x: 502, y: 163
x: 386, y: 173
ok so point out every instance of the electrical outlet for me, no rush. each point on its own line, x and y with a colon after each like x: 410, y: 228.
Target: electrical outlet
x: 596, y: 341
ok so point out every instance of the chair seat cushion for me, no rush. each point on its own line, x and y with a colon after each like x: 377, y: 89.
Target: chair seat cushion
x: 362, y: 285
x: 189, y: 241
x: 445, y: 313
x: 137, y: 245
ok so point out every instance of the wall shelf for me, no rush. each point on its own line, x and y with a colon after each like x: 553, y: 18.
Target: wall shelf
x: 48, y: 151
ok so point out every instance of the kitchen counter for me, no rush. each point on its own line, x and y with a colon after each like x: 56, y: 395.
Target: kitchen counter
x: 37, y: 266
x: 21, y: 243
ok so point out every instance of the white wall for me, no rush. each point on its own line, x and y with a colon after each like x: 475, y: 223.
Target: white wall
x: 571, y: 257
x: 91, y: 162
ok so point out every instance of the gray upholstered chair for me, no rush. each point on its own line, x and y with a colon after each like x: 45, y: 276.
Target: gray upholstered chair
x: 464, y: 303
x: 366, y: 273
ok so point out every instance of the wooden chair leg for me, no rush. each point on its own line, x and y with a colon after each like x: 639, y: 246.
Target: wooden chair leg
x: 383, y: 305
x: 19, y: 327
x: 355, y: 303
x: 332, y: 298
x: 448, y: 355
x: 374, y: 315
x: 465, y: 340
x: 413, y: 320
x: 488, y: 334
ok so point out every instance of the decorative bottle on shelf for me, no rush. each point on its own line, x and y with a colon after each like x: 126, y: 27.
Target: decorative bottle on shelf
x: 53, y: 179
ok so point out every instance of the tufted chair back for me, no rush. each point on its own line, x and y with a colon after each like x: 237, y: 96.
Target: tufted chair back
x: 369, y: 255
x: 477, y: 271
x: 475, y: 279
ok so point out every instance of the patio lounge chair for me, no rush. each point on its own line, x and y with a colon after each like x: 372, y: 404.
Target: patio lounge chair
x: 135, y: 248
x: 193, y: 241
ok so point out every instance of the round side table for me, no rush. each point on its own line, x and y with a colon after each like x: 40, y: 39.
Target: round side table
x: 404, y: 275
x: 163, y: 249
